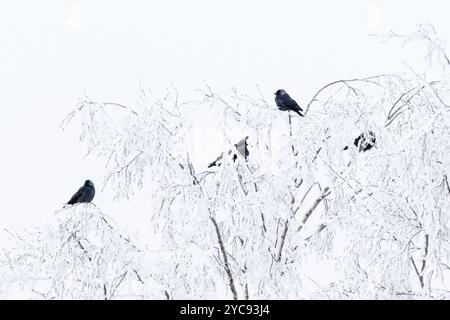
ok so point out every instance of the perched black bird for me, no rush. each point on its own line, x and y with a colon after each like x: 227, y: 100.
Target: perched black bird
x: 85, y: 194
x: 365, y: 141
x: 285, y: 102
x: 241, y: 147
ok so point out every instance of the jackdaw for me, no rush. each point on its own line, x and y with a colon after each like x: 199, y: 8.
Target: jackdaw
x: 365, y: 141
x: 85, y: 194
x: 242, y: 149
x: 285, y: 102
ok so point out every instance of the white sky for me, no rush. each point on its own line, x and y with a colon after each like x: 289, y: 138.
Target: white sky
x: 53, y: 51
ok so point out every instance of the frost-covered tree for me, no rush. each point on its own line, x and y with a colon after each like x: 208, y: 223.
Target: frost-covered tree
x: 83, y: 255
x: 262, y: 227
x: 243, y: 230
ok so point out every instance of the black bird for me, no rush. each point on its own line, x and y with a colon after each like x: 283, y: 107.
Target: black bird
x: 241, y: 147
x: 285, y: 102
x: 85, y: 194
x: 365, y: 141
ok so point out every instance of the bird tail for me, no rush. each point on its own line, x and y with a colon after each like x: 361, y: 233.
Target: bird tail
x: 298, y: 112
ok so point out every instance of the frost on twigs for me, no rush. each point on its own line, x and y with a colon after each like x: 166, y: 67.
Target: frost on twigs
x: 426, y: 34
x: 84, y: 256
x: 134, y: 141
x: 306, y: 215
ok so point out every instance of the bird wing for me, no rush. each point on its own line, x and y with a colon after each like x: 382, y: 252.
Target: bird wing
x: 295, y: 105
x: 76, y: 196
x: 288, y: 102
x: 291, y: 103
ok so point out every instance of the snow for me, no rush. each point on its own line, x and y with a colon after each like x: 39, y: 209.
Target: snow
x: 301, y: 219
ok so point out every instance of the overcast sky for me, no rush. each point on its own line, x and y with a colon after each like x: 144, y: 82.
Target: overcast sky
x: 53, y: 51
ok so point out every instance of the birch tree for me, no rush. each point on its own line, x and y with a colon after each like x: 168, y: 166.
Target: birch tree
x: 305, y: 198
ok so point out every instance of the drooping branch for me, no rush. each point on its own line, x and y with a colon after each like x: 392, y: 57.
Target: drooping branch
x: 125, y: 168
x: 395, y: 113
x: 345, y: 82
